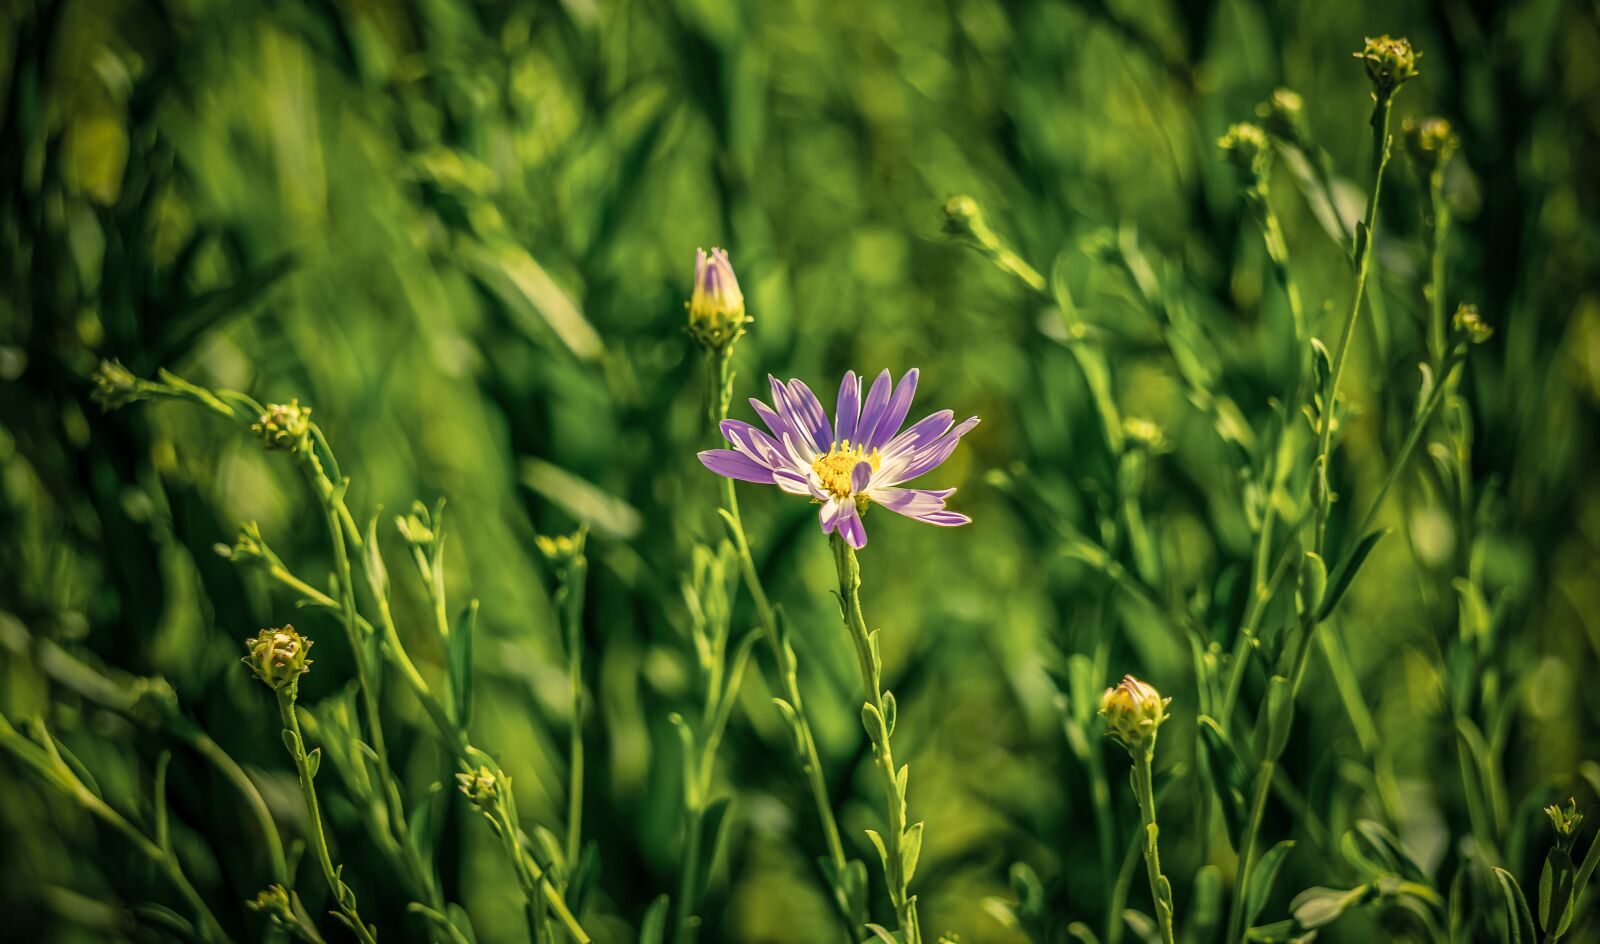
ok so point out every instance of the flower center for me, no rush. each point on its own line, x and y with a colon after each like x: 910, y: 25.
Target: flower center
x: 836, y: 466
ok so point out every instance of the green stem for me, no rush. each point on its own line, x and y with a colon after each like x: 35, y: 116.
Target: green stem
x: 345, y: 898
x: 1363, y: 258
x: 898, y: 879
x: 1160, y: 888
x: 784, y: 664
x: 572, y: 591
x: 1247, y: 846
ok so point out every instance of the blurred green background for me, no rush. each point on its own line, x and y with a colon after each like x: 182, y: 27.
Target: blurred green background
x: 464, y: 231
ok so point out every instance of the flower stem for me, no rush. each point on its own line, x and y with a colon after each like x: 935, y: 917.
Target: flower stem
x: 342, y: 894
x: 1160, y: 888
x: 1363, y: 259
x: 903, y: 844
x: 571, y: 595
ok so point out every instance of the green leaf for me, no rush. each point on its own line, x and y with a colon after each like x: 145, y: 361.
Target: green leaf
x: 873, y: 722
x: 881, y: 933
x: 1227, y: 772
x: 711, y: 826
x: 1313, y: 582
x: 1280, y: 717
x: 1262, y: 878
x: 377, y: 573
x: 314, y: 762
x: 890, y: 710
x: 911, y: 850
x: 653, y: 929
x: 1339, y: 582
x: 1519, y: 922
x: 1318, y: 907
x: 883, y: 850
x: 459, y: 660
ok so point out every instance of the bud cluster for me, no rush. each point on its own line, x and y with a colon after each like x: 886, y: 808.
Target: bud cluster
x: 1133, y: 710
x: 115, y: 386
x: 278, y: 657
x: 1284, y: 117
x: 1245, y: 146
x: 1389, y: 62
x: 562, y: 549
x: 1565, y: 822
x: 481, y: 786
x: 273, y: 902
x: 716, y: 308
x: 1430, y: 142
x: 1470, y: 325
x: 284, y: 426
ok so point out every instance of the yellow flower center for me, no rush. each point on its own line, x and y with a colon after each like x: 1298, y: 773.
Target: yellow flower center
x: 835, y: 467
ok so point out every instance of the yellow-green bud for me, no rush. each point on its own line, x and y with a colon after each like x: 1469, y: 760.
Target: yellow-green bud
x: 1245, y: 146
x: 1565, y: 822
x: 417, y: 527
x: 1389, y: 63
x: 285, y: 426
x: 1133, y: 711
x: 1471, y: 326
x: 115, y: 386
x: 278, y: 657
x: 481, y: 786
x: 963, y: 219
x: 1284, y: 117
x: 562, y: 549
x: 1145, y: 433
x: 248, y: 547
x: 716, y: 308
x: 273, y: 902
x: 1430, y: 142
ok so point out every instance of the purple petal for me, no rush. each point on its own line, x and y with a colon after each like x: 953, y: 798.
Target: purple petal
x: 945, y: 519
x: 872, y: 412
x: 859, y: 477
x: 849, y: 409
x: 828, y: 515
x: 794, y: 483
x: 895, y: 413
x: 788, y: 407
x: 754, y: 443
x: 771, y: 418
x: 850, y: 526
x: 930, y: 457
x: 735, y: 465
x: 912, y: 502
x: 812, y: 414
x: 923, y: 433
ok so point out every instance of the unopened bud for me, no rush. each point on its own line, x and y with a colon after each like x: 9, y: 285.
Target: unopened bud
x: 716, y: 307
x: 278, y: 657
x: 1430, y: 142
x: 1133, y: 711
x: 115, y: 386
x: 1389, y: 63
x: 285, y: 426
x: 481, y: 787
x: 562, y: 549
x: 1245, y: 146
x: 1284, y: 117
x: 1565, y: 822
x: 1471, y: 326
x: 273, y: 902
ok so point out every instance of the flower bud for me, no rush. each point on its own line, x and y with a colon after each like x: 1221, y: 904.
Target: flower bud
x: 1133, y: 710
x: 115, y: 386
x: 1389, y: 63
x: 285, y: 426
x: 963, y: 219
x: 417, y: 527
x: 1471, y: 326
x: 153, y: 701
x: 481, y: 787
x: 1245, y: 146
x: 716, y: 309
x: 278, y: 657
x: 1565, y: 822
x: 562, y: 549
x: 248, y: 547
x: 1283, y: 116
x: 273, y: 902
x: 1430, y: 142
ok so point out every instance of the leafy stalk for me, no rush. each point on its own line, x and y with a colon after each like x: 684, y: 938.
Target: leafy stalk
x: 904, y: 845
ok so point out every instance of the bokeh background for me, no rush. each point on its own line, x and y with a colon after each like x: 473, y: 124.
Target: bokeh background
x: 464, y: 231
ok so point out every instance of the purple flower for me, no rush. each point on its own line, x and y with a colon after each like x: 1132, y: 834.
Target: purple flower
x: 862, y: 457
